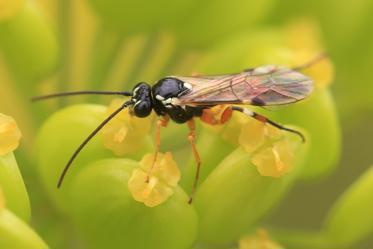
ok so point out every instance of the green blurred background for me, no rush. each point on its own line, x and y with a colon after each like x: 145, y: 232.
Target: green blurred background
x: 51, y: 45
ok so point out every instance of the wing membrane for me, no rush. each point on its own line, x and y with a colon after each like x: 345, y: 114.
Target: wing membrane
x: 266, y: 85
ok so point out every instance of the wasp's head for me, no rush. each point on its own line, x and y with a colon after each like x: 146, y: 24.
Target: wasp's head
x: 141, y: 99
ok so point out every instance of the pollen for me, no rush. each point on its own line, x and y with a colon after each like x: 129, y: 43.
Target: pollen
x: 9, y: 8
x: 9, y: 134
x: 260, y: 240
x: 162, y: 181
x: 125, y: 133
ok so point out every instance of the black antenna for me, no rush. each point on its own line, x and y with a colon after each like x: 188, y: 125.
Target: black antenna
x: 64, y: 94
x: 315, y: 60
x: 84, y: 143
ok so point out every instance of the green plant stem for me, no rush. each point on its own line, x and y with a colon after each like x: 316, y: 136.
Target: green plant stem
x: 104, y: 53
x: 64, y: 31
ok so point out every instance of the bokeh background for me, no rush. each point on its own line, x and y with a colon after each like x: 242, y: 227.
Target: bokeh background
x: 51, y: 45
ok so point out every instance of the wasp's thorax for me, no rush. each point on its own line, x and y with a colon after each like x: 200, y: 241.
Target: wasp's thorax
x: 163, y: 97
x: 166, y: 93
x: 142, y: 100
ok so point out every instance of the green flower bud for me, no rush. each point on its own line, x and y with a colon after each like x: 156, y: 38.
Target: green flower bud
x: 59, y: 137
x: 27, y: 42
x: 108, y: 215
x: 351, y: 220
x: 16, y: 234
x: 236, y: 194
x: 13, y: 187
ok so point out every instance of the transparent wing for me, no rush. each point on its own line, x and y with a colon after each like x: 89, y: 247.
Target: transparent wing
x: 262, y: 86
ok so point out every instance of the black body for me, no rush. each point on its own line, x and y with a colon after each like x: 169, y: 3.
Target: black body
x: 162, y: 97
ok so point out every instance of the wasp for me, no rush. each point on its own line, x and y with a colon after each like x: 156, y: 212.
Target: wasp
x: 182, y: 99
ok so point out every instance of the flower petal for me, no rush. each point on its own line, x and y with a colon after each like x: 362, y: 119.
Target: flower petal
x: 164, y: 177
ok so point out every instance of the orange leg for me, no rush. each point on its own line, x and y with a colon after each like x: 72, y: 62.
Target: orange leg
x: 192, y: 138
x: 162, y: 122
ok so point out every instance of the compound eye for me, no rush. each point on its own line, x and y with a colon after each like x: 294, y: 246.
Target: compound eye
x: 142, y: 109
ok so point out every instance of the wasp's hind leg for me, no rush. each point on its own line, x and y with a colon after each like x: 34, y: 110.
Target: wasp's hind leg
x: 162, y: 122
x: 192, y: 139
x: 264, y: 119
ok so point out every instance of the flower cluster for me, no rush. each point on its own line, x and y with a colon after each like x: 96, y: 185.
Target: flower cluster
x: 119, y: 192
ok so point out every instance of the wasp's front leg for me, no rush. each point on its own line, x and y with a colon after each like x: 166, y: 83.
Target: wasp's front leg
x: 161, y: 122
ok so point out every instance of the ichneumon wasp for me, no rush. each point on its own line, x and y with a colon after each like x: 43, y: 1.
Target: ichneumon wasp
x: 182, y: 99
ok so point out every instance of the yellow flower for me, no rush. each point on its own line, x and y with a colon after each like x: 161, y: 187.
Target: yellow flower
x: 164, y: 178
x: 271, y: 149
x: 9, y: 8
x: 274, y: 161
x: 254, y: 134
x: 260, y: 240
x: 125, y: 133
x: 9, y: 134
